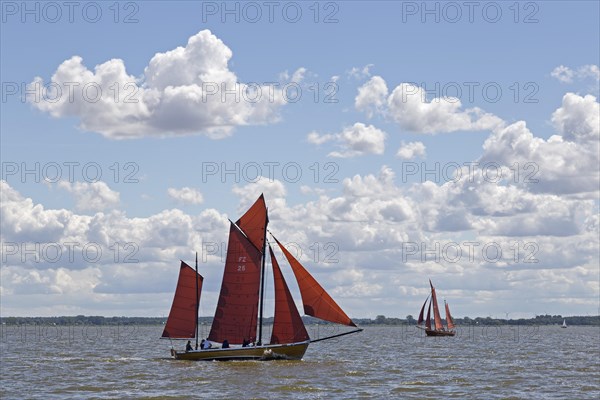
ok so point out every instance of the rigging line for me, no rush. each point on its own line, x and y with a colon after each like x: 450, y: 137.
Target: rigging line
x: 338, y: 335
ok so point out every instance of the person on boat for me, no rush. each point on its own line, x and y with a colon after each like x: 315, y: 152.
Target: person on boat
x: 245, y: 342
x: 202, y: 344
x: 206, y: 345
x: 188, y: 346
x: 225, y: 344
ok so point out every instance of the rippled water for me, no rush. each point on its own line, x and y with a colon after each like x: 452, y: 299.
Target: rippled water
x: 381, y: 362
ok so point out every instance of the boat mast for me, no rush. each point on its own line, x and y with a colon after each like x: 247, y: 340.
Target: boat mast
x: 197, y: 300
x: 262, y: 281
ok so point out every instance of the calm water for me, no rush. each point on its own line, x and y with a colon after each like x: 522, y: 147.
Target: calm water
x: 381, y: 362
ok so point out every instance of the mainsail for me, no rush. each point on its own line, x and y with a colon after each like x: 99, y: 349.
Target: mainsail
x: 183, y: 316
x: 449, y: 320
x: 437, y: 319
x: 287, y: 323
x: 237, y: 307
x: 317, y: 302
x: 254, y: 223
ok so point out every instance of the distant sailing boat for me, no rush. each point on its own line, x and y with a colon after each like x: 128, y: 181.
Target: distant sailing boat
x: 439, y: 329
x: 564, y: 325
x: 233, y: 335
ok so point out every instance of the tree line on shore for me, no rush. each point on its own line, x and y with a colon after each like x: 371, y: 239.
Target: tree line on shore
x: 379, y: 320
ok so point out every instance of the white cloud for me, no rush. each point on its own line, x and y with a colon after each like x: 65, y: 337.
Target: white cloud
x: 563, y: 74
x: 356, y: 140
x: 298, y: 75
x: 94, y: 196
x: 186, y: 195
x: 562, y: 164
x: 360, y: 72
x: 578, y: 119
x: 408, y: 151
x: 567, y: 75
x: 371, y: 96
x: 408, y: 106
x: 180, y: 93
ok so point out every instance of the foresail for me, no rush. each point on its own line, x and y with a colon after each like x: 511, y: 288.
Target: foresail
x: 287, y: 323
x: 183, y: 316
x: 237, y: 307
x: 449, y: 319
x: 316, y: 300
x: 420, y: 320
x: 428, y: 319
x: 437, y: 319
x: 254, y: 223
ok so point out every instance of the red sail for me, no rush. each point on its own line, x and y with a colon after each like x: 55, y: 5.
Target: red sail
x: 184, y: 311
x: 237, y: 307
x: 420, y: 320
x: 317, y: 301
x: 287, y: 323
x: 436, y: 312
x: 428, y: 320
x: 449, y: 317
x: 254, y: 223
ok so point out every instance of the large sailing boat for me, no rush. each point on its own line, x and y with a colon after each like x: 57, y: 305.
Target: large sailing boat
x: 438, y: 329
x: 233, y: 334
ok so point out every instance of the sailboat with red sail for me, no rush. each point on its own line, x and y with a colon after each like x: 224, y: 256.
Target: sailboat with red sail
x: 237, y: 328
x: 438, y: 328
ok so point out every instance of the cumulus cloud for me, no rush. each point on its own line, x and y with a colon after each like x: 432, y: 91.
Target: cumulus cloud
x: 562, y: 164
x: 94, y: 196
x: 409, y: 107
x: 371, y: 96
x: 568, y: 75
x: 578, y: 119
x: 356, y: 140
x: 187, y: 90
x: 186, y: 195
x: 408, y: 151
x: 360, y: 72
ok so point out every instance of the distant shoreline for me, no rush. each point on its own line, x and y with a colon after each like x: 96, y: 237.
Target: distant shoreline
x: 379, y: 320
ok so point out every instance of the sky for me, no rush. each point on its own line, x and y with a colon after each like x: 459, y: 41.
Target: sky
x: 395, y: 142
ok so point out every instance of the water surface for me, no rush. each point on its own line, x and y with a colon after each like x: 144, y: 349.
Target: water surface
x: 116, y: 362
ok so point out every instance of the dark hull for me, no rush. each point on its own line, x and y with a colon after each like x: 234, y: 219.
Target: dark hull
x: 432, y: 332
x: 293, y: 351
